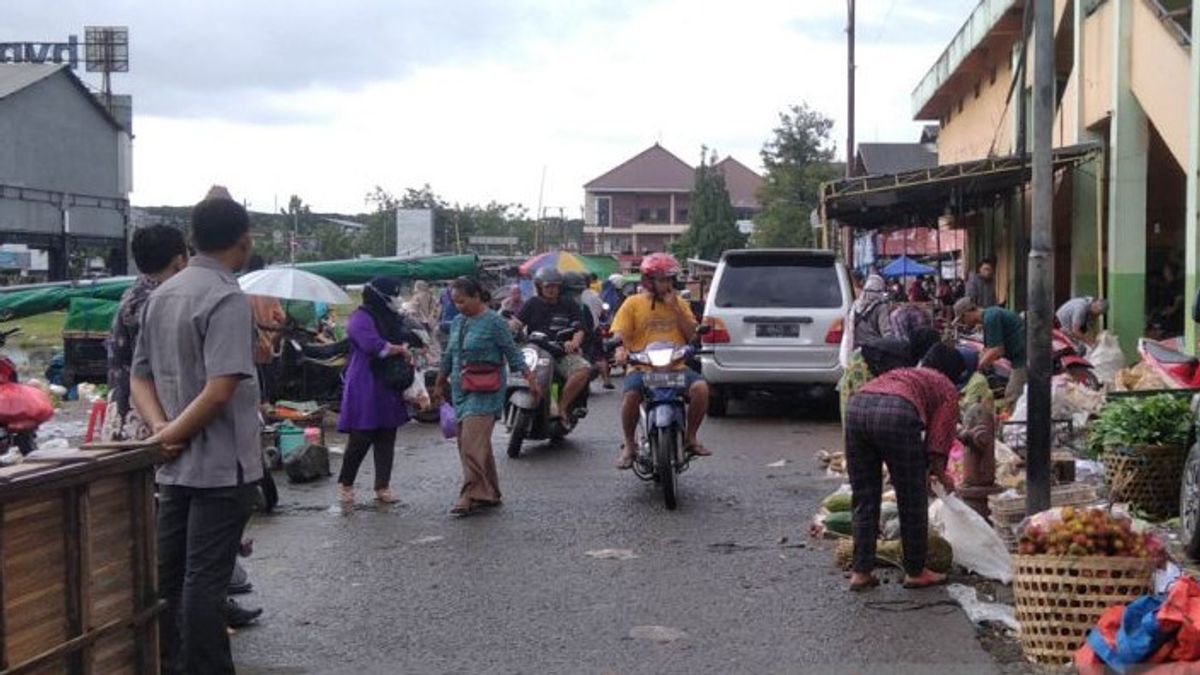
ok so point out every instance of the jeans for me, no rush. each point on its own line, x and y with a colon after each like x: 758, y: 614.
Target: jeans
x: 199, y: 532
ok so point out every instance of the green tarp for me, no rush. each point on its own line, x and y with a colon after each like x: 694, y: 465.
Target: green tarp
x: 17, y: 304
x: 91, y: 316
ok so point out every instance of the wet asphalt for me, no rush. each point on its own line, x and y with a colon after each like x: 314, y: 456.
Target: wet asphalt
x: 728, y: 583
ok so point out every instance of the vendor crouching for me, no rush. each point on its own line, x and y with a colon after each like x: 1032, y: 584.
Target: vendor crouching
x: 906, y: 418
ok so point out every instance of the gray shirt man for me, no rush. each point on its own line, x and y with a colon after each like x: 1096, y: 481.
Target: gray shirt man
x: 982, y: 291
x: 197, y: 326
x: 1075, y: 315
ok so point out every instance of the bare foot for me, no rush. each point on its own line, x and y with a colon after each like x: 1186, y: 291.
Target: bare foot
x: 626, y: 459
x: 346, y: 494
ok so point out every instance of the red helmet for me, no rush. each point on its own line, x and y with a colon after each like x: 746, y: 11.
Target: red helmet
x: 658, y: 265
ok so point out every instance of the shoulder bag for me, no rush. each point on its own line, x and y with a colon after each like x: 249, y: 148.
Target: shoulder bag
x: 480, y: 377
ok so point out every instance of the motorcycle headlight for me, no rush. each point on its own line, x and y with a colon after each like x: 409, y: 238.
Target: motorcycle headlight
x: 531, y: 357
x: 661, y: 358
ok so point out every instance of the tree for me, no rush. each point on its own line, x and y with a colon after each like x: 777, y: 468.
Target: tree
x: 713, y: 228
x: 798, y: 159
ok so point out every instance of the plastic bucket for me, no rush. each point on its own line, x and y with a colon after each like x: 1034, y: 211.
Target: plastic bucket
x: 291, y: 439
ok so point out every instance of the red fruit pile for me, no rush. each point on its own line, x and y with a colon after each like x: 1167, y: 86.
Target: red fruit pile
x: 1086, y: 532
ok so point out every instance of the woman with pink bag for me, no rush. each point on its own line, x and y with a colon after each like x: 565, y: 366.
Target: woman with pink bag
x: 480, y: 344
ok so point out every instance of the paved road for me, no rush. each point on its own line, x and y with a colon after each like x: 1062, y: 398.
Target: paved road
x: 731, y: 575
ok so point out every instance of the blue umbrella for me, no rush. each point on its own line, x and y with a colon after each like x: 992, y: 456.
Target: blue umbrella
x: 906, y: 267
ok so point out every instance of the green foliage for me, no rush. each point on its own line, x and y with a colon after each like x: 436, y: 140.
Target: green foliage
x: 798, y: 158
x: 1129, y: 421
x: 713, y: 228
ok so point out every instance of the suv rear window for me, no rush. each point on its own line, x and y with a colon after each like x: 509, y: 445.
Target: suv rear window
x: 784, y: 282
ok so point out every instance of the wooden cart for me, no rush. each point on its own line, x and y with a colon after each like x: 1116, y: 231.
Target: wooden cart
x: 78, y: 575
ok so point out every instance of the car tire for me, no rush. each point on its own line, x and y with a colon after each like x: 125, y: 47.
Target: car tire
x: 1189, y: 506
x: 718, y: 402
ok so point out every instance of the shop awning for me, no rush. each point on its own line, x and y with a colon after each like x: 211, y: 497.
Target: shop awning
x: 920, y: 197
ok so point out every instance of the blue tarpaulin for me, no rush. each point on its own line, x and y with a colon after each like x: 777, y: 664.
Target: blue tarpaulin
x: 906, y: 267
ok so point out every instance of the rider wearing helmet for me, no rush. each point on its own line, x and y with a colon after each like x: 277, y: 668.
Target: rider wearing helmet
x: 550, y: 313
x: 657, y: 314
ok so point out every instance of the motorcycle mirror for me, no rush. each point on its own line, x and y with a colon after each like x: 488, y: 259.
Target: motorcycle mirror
x: 703, y: 329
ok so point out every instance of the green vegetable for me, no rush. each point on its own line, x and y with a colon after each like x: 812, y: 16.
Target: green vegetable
x: 839, y: 523
x: 837, y: 502
x: 1128, y: 421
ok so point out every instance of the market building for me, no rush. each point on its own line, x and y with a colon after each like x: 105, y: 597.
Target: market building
x: 1127, y: 155
x: 641, y: 205
x: 65, y: 167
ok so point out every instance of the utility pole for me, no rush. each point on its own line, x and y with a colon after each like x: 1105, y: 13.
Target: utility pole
x: 850, y: 91
x: 1041, y: 261
x: 295, y: 231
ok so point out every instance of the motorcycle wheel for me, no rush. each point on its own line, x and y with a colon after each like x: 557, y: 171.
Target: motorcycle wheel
x: 270, y: 493
x: 519, y: 429
x: 1189, y: 504
x: 664, y: 464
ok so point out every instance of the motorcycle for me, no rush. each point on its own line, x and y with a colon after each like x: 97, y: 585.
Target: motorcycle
x: 662, y: 418
x: 1066, y: 359
x: 21, y: 434
x: 310, y: 371
x: 535, y: 419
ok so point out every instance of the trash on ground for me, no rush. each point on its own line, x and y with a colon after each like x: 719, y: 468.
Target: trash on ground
x: 659, y: 634
x: 980, y: 612
x: 611, y: 554
x: 777, y: 465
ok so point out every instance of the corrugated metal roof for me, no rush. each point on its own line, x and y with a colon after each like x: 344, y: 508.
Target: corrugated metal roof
x: 881, y: 158
x: 16, y: 76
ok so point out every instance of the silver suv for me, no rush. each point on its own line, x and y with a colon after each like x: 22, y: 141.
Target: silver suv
x: 776, y: 318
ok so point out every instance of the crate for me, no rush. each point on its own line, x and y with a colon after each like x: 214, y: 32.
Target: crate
x: 1009, y: 511
x: 1146, y: 476
x: 78, y: 575
x: 1059, y: 599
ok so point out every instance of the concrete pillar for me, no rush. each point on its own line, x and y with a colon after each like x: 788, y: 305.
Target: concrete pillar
x: 1192, y: 217
x: 1129, y: 148
x: 1085, y: 254
x: 672, y: 217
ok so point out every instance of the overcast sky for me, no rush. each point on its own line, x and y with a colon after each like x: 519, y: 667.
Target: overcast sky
x: 328, y: 98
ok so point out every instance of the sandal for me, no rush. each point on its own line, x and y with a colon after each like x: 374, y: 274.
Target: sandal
x: 346, y: 494
x: 859, y: 587
x: 625, y: 462
x: 385, y: 496
x: 462, y: 510
x: 934, y: 580
x: 697, y: 450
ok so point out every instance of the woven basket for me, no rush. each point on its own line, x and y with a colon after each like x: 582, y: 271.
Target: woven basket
x: 1059, y: 599
x: 1146, y: 476
x: 1009, y: 511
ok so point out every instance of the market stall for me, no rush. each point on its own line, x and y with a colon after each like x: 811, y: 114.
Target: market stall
x: 78, y: 575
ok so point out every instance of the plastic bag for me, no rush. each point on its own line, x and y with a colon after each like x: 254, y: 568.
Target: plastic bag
x: 23, y: 407
x: 448, y: 421
x: 1106, y: 358
x: 416, y: 393
x: 980, y: 612
x: 976, y: 545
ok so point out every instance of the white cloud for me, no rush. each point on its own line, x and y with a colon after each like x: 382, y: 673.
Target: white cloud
x: 480, y: 123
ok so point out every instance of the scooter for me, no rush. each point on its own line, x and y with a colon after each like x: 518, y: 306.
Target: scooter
x: 536, y: 419
x: 310, y: 371
x: 1066, y: 360
x: 21, y: 434
x: 662, y: 418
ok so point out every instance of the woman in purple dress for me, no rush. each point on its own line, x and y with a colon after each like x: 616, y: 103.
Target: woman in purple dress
x: 373, y: 409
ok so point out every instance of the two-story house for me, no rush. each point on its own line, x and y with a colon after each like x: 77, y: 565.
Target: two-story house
x: 642, y: 205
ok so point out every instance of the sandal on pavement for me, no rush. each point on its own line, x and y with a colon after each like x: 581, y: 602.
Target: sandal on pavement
x: 346, y: 494
x: 860, y: 586
x: 926, y: 580
x: 697, y: 450
x: 625, y: 462
x: 386, y: 497
x: 462, y: 510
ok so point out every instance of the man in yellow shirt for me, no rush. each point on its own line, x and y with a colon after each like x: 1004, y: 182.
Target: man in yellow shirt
x: 657, y: 314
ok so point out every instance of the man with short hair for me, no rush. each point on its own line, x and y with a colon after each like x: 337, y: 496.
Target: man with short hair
x: 1079, y: 318
x: 193, y: 381
x: 159, y: 251
x: 1003, y: 337
x: 981, y: 287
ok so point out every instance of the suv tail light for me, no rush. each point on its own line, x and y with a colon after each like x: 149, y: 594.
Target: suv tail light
x: 718, y: 335
x: 834, y: 336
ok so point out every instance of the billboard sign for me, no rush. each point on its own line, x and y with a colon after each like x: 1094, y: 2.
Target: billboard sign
x: 414, y: 232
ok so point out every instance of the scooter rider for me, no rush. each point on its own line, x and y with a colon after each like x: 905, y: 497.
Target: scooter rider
x: 549, y: 313
x: 657, y: 314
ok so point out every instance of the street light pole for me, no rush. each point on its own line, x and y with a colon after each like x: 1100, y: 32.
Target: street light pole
x: 1041, y: 261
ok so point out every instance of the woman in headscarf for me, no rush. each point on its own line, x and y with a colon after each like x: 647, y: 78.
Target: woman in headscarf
x: 870, y: 314
x: 372, y: 402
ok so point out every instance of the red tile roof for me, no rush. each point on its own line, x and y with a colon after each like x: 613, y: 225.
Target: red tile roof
x: 653, y: 169
x: 742, y: 182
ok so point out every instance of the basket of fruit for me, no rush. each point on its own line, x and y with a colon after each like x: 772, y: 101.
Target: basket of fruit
x: 1008, y: 508
x: 1073, y: 564
x: 1141, y: 441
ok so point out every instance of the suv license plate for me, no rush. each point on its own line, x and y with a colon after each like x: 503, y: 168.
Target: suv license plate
x: 666, y: 380
x: 777, y: 330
